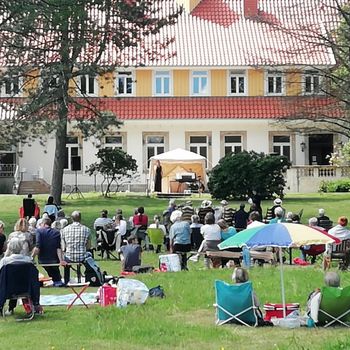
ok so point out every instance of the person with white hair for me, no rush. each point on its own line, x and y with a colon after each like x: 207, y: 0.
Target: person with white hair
x: 321, y: 216
x: 279, y: 216
x: 331, y: 279
x: 15, y: 256
x: 180, y: 237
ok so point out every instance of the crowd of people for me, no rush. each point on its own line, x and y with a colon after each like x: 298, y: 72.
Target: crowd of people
x: 56, y: 241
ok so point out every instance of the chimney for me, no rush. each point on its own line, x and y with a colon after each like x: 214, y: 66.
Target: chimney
x: 188, y: 5
x: 250, y: 8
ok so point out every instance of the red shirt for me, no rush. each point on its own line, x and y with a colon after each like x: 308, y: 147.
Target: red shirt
x: 140, y: 220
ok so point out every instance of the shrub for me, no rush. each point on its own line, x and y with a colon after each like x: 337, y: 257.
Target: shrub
x: 238, y: 175
x: 342, y: 185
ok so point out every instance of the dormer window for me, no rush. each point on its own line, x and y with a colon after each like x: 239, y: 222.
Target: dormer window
x: 88, y: 85
x: 274, y: 83
x: 10, y: 87
x: 312, y: 83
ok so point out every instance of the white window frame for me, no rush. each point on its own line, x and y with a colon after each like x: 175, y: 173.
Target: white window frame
x: 274, y: 75
x: 3, y: 92
x: 125, y: 75
x: 155, y: 145
x: 87, y: 93
x: 162, y: 75
x: 312, y: 75
x: 237, y: 75
x: 70, y: 146
x: 233, y: 144
x: 200, y: 74
x: 198, y: 145
x: 114, y: 145
x: 282, y: 144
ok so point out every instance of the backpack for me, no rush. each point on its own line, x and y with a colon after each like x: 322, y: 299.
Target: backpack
x: 93, y: 273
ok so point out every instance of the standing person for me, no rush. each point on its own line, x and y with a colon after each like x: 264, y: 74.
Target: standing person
x: 51, y: 209
x: 158, y: 177
x: 75, y: 241
x: 48, y: 250
x: 256, y: 199
x: 241, y: 218
x: 180, y: 237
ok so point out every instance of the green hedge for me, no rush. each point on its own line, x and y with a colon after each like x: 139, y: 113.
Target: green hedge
x: 342, y: 185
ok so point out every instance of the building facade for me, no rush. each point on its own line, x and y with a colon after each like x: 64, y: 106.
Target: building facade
x: 229, y: 78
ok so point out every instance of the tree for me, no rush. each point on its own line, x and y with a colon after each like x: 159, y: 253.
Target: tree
x: 238, y: 175
x: 115, y: 165
x: 322, y: 32
x: 59, y: 42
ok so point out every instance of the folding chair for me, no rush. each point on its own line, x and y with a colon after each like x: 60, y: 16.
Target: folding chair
x: 334, y: 306
x: 107, y: 241
x: 20, y: 280
x: 156, y: 237
x: 235, y: 303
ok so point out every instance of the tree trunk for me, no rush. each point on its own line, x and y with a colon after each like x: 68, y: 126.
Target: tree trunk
x: 58, y: 165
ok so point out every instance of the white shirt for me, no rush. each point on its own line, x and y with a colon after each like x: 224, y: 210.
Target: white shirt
x: 255, y: 224
x: 340, y: 232
x: 211, y: 232
x: 121, y: 227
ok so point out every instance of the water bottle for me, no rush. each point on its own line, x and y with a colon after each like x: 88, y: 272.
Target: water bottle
x: 246, y: 257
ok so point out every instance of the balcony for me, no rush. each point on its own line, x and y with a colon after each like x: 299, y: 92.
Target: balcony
x: 304, y: 179
x: 7, y: 170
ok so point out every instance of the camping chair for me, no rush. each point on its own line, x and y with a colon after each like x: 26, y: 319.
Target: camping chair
x: 235, y: 303
x: 340, y: 252
x: 326, y: 224
x: 20, y: 280
x: 156, y: 238
x: 106, y: 241
x: 334, y: 306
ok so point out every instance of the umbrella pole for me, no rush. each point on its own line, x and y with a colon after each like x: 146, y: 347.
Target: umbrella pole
x: 282, y: 283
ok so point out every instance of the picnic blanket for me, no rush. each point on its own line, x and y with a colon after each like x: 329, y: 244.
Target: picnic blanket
x: 51, y: 300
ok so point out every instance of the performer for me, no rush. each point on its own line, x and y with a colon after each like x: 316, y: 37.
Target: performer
x: 158, y: 178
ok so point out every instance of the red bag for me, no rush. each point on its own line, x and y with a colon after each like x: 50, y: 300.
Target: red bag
x: 108, y: 295
x: 21, y: 212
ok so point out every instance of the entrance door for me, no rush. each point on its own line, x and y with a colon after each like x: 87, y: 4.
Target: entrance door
x: 320, y: 148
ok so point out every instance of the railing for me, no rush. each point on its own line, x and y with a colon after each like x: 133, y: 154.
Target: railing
x: 322, y: 171
x: 7, y: 170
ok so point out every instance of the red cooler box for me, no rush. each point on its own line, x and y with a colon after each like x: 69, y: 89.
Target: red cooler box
x: 108, y: 295
x: 276, y: 310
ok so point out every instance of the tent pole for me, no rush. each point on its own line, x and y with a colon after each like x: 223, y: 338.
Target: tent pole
x: 282, y: 283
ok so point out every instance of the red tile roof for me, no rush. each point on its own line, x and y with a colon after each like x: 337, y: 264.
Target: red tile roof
x: 215, y: 11
x: 142, y: 108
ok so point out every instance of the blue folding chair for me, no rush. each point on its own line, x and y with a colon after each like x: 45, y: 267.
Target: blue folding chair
x: 235, y: 303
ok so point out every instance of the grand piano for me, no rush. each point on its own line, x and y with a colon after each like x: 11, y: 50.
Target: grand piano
x: 182, y: 182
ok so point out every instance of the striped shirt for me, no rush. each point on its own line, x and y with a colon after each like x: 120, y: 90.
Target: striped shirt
x: 74, y: 240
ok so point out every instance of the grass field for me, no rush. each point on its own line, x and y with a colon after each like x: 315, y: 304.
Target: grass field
x: 185, y: 318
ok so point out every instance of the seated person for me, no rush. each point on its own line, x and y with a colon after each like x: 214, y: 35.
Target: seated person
x: 254, y: 220
x: 157, y: 224
x: 196, y: 236
x: 240, y: 218
x: 130, y: 254
x: 15, y: 255
x: 226, y: 230
x: 331, y: 279
x: 321, y: 216
x: 279, y: 216
x: 48, y: 249
x: 240, y: 276
x: 2, y: 239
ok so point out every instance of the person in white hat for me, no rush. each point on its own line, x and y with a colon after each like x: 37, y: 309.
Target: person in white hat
x: 204, y: 209
x: 321, y: 216
x: 277, y: 203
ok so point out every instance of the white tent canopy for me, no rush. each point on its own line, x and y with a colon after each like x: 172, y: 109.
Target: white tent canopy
x: 173, y: 162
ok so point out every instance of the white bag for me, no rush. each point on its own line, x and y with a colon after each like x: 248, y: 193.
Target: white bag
x: 131, y: 291
x: 170, y: 262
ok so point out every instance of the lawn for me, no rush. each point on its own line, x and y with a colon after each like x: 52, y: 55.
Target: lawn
x: 185, y: 318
